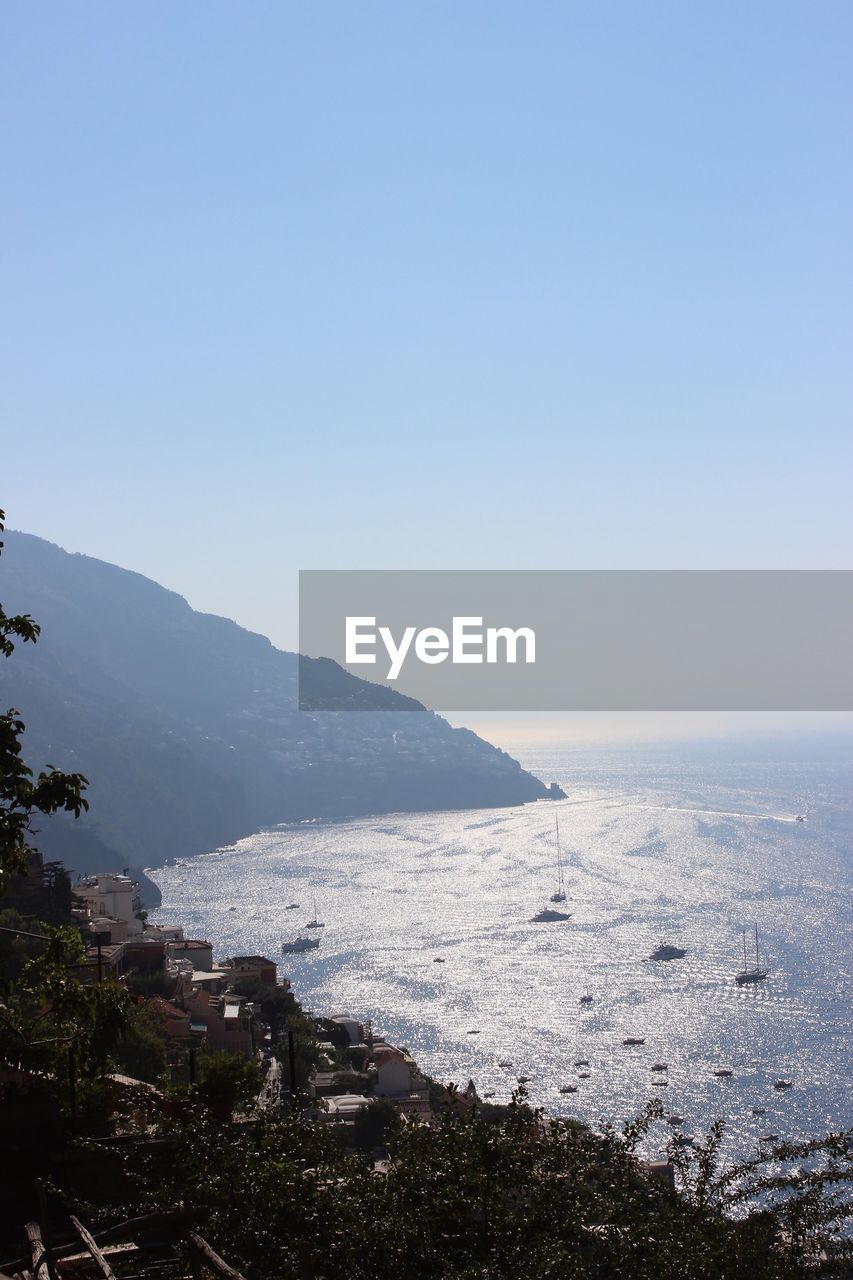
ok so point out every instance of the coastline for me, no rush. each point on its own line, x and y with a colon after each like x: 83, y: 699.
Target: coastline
x: 400, y: 890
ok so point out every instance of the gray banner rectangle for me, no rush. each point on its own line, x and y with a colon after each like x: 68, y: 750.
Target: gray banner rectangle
x: 602, y: 640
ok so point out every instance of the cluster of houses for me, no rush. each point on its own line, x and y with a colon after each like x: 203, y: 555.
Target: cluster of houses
x: 204, y: 1007
x: 376, y: 1069
x: 215, y: 1005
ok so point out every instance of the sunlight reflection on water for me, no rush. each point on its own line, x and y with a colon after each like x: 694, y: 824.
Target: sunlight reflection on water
x: 677, y: 853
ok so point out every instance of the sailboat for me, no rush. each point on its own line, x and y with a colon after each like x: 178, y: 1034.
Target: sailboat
x: 560, y: 895
x: 548, y: 915
x: 315, y: 923
x: 756, y: 973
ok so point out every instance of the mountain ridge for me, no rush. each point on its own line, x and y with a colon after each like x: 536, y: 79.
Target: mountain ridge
x: 187, y: 724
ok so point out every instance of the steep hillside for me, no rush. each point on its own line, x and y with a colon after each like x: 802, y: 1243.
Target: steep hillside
x: 187, y: 725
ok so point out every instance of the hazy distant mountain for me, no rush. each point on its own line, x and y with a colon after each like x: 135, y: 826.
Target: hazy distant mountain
x: 187, y: 726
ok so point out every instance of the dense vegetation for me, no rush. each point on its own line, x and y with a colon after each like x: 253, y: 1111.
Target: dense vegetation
x: 473, y: 1197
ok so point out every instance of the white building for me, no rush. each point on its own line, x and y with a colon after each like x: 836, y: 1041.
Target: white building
x: 107, y: 894
x: 396, y: 1071
x: 196, y: 950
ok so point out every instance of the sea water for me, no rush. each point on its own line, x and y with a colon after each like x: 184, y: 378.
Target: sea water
x: 429, y: 935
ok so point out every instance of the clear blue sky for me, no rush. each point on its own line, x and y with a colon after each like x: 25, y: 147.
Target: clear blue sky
x: 455, y: 284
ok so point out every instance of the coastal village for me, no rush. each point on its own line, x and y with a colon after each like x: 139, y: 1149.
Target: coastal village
x: 303, y: 1146
x: 205, y: 1005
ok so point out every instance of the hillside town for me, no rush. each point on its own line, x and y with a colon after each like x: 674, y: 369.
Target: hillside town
x: 170, y: 1113
x: 173, y: 1114
x: 206, y: 1005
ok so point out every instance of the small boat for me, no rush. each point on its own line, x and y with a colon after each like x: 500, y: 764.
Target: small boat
x: 490, y: 1094
x: 801, y: 817
x: 300, y: 944
x: 584, y: 1075
x: 683, y: 1140
x: 586, y: 998
x: 232, y: 908
x: 769, y: 1137
x: 504, y: 1064
x: 661, y: 1084
x: 723, y: 1072
x: 759, y: 1111
x: 315, y: 923
x: 752, y: 974
x: 438, y: 960
x: 675, y: 1120
x: 581, y: 1062
x: 634, y: 1040
x: 475, y: 1032
x: 783, y: 1084
x: 559, y: 894
x: 568, y: 1088
x: 548, y: 915
x: 291, y: 906
x: 660, y: 1066
x: 666, y: 951
x: 523, y: 1079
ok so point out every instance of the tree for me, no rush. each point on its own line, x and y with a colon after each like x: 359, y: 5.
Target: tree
x: 52, y: 1013
x: 52, y: 1027
x: 149, y: 982
x: 22, y: 795
x: 226, y: 1082
x: 372, y: 1125
x: 514, y: 1198
x: 141, y: 1050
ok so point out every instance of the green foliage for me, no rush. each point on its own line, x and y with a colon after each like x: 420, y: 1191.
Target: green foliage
x: 153, y: 982
x: 249, y: 987
x: 802, y: 1187
x: 279, y: 1009
x: 141, y: 1050
x: 306, y: 1051
x: 282, y: 1013
x: 21, y: 793
x: 41, y: 896
x: 95, y: 1109
x: 226, y: 1082
x: 15, y: 951
x: 51, y: 1011
x: 520, y: 1199
x: 53, y: 1030
x: 373, y: 1125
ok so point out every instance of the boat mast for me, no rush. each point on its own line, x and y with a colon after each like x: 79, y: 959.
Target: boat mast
x: 743, y: 940
x: 559, y: 855
x: 757, y: 966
